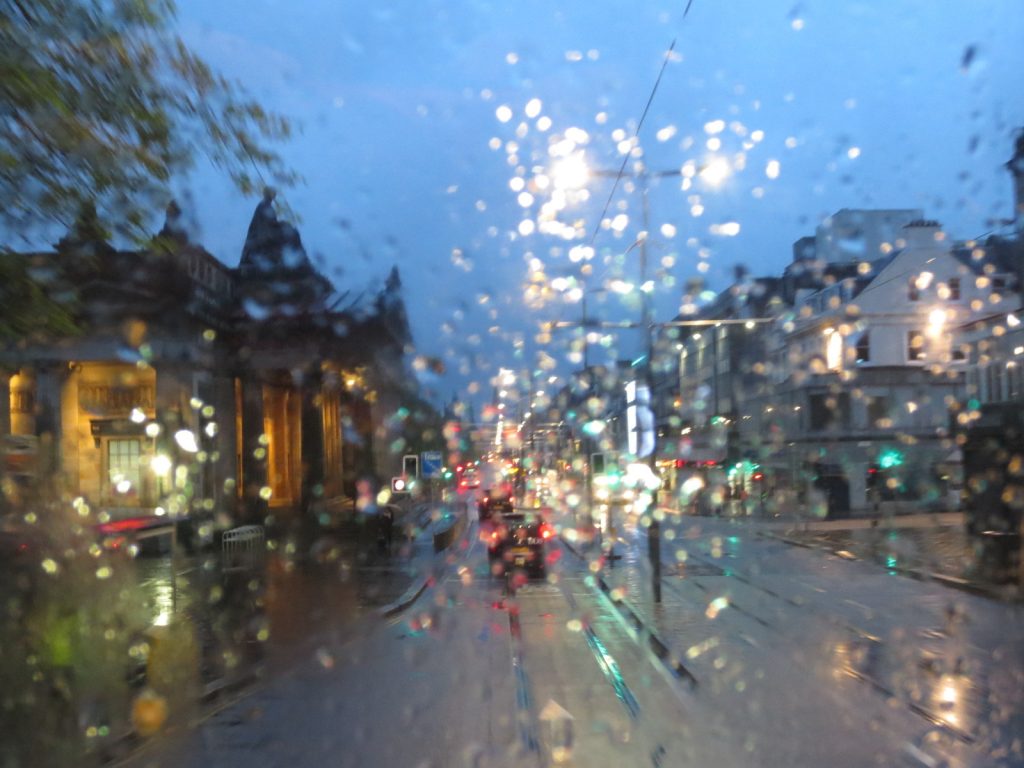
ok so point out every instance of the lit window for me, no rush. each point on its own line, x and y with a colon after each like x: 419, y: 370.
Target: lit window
x: 954, y: 288
x: 834, y: 351
x: 915, y: 345
x: 864, y: 348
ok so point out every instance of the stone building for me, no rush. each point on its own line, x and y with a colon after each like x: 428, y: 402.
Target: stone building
x: 195, y: 389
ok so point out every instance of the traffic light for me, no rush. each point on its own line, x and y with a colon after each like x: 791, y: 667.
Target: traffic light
x: 411, y: 466
x: 891, y: 457
x: 398, y: 485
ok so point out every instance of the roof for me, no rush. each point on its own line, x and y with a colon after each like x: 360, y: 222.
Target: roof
x: 1006, y: 255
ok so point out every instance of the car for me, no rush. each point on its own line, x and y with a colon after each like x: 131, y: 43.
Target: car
x: 494, y: 500
x: 517, y: 539
x: 470, y: 479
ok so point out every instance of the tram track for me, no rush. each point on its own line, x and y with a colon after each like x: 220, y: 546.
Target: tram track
x: 869, y: 644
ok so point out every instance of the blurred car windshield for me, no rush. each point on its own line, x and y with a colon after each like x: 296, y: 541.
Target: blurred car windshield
x: 511, y: 384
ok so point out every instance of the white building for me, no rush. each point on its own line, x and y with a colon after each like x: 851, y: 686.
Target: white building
x: 869, y: 372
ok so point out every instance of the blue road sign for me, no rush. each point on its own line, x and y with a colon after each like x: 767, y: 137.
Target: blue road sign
x: 431, y: 463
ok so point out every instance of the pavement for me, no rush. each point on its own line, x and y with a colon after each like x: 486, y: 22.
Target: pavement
x: 933, y: 547
x: 836, y: 602
x: 254, y: 625
x: 759, y: 653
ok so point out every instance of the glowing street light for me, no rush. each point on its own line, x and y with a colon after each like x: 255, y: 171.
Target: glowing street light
x: 186, y: 440
x: 161, y: 465
x: 570, y: 172
x: 715, y: 171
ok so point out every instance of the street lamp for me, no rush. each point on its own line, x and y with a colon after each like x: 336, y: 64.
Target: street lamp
x: 577, y: 173
x: 713, y: 172
x: 654, y: 526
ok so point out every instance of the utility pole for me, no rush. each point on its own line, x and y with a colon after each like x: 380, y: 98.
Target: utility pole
x: 654, y: 525
x: 646, y: 324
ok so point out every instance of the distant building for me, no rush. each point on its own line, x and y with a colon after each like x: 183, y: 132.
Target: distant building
x: 995, y: 339
x: 1016, y: 167
x: 869, y: 371
x: 854, y: 386
x: 855, y: 234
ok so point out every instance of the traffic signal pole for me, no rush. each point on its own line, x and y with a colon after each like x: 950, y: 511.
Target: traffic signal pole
x: 654, y: 525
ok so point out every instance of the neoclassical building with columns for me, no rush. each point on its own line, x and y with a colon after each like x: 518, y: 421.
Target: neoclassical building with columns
x: 192, y: 388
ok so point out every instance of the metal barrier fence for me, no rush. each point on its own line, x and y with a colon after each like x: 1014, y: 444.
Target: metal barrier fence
x: 243, y: 547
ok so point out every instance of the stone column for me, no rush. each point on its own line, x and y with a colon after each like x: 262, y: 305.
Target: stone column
x: 70, y: 435
x: 49, y: 378
x: 5, y: 402
x: 312, y: 451
x: 254, y: 469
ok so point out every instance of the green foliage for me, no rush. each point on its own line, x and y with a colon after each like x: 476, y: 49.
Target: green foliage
x: 100, y: 100
x: 423, y: 429
x: 66, y: 633
x: 27, y: 312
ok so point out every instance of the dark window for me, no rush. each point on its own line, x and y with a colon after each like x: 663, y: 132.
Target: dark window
x: 954, y: 288
x: 830, y: 411
x: 915, y: 345
x: 864, y: 348
x: 913, y: 293
x: 878, y: 410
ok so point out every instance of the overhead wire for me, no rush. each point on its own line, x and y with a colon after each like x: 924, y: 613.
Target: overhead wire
x: 622, y: 168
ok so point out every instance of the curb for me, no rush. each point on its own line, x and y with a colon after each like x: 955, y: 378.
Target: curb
x: 410, y: 596
x: 952, y: 582
x: 655, y: 644
x: 419, y: 585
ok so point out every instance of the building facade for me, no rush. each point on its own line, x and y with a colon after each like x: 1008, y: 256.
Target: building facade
x: 849, y: 397
x: 192, y: 389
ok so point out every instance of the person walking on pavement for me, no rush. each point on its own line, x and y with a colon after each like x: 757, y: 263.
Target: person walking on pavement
x: 385, y: 529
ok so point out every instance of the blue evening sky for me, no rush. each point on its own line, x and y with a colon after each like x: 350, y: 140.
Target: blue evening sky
x: 409, y: 158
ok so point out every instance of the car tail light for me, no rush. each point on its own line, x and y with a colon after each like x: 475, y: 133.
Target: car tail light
x: 546, y: 531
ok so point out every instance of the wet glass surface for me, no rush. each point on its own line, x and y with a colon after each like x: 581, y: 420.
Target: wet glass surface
x: 724, y: 299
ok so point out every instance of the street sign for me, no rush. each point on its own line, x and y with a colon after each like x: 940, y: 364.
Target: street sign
x: 432, y: 461
x: 20, y: 454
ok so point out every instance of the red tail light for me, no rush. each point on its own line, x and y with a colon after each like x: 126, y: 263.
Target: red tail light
x: 546, y: 531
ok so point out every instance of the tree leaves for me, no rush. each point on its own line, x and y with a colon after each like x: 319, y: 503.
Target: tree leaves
x: 100, y: 100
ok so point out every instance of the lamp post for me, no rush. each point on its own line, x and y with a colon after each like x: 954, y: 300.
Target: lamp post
x: 654, y: 525
x: 713, y: 173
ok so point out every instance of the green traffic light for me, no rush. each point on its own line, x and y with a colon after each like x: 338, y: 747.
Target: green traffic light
x: 890, y: 458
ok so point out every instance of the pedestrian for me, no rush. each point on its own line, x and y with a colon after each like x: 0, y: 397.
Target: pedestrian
x: 385, y: 529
